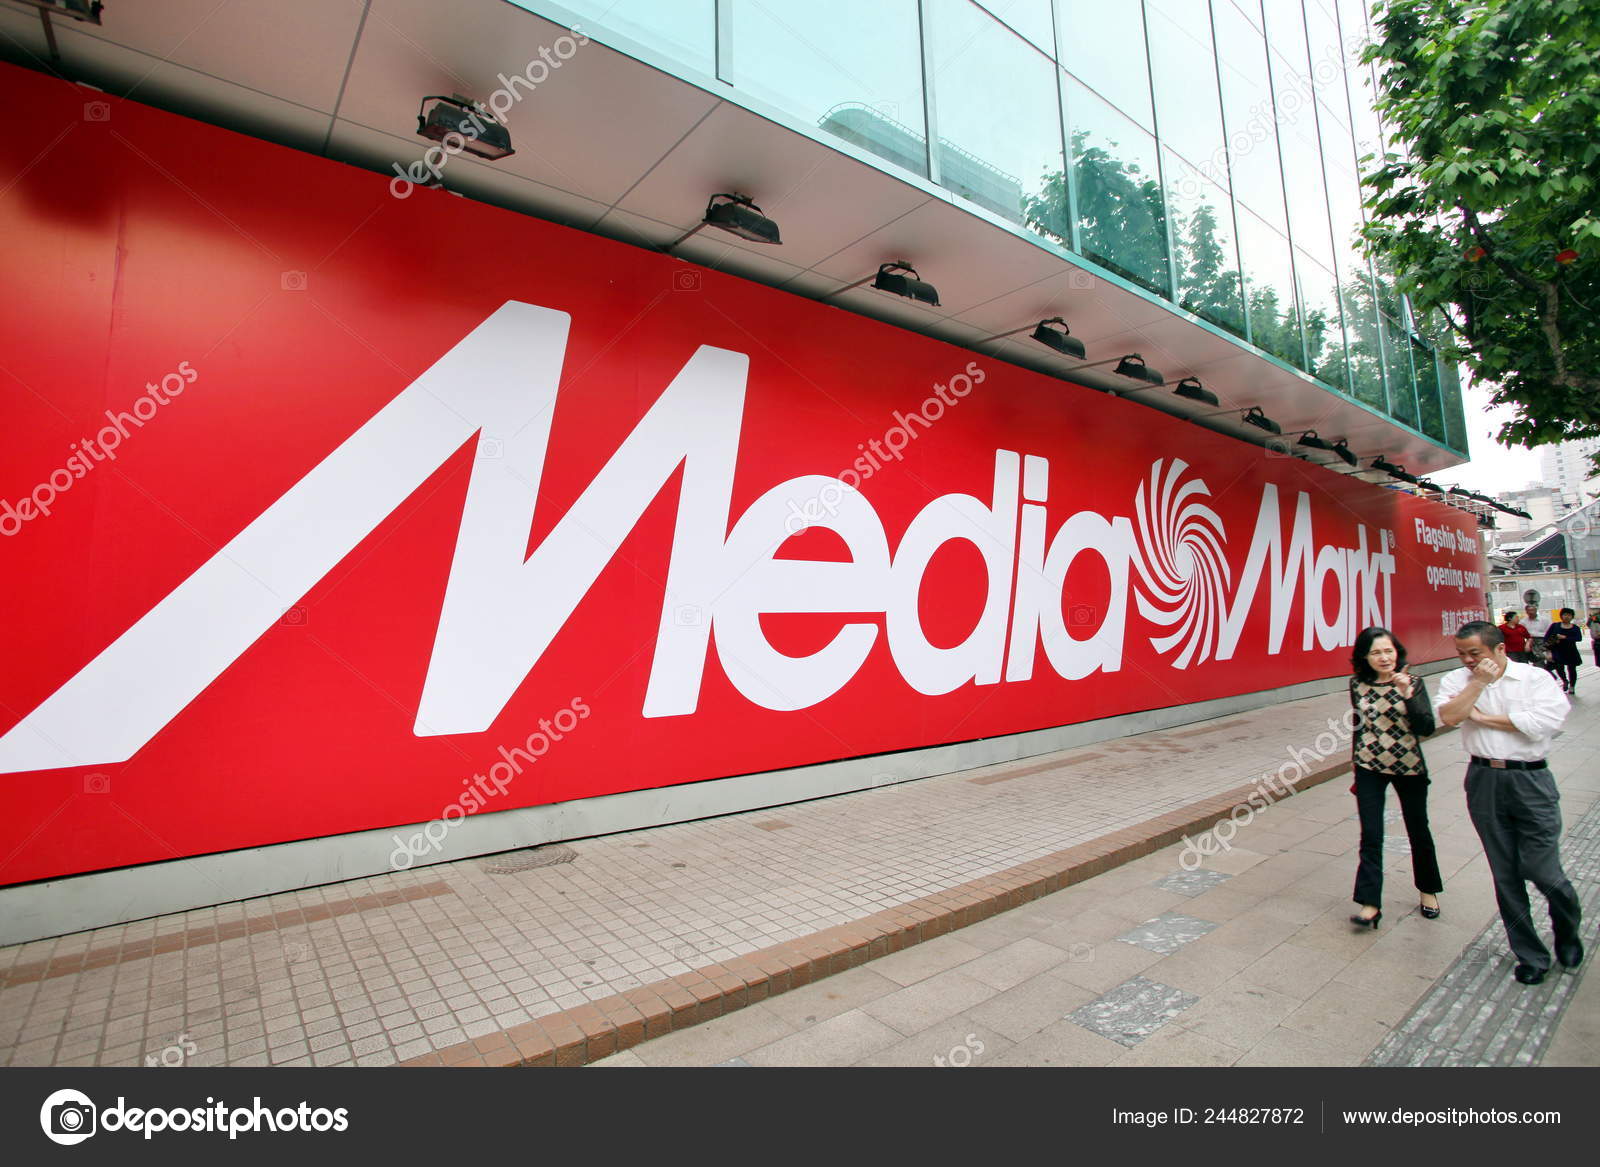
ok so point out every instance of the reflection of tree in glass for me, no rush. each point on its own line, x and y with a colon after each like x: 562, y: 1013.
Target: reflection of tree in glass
x: 1122, y: 221
x: 1121, y: 214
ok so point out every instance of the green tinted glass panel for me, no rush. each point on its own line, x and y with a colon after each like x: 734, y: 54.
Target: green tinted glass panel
x: 1324, y: 320
x: 1430, y: 411
x: 1455, y: 422
x: 1397, y: 367
x: 999, y: 141
x: 1269, y: 290
x: 1102, y: 45
x: 1188, y: 108
x: 1252, y: 132
x: 1363, y: 345
x: 1121, y: 214
x: 684, y: 30
x: 1032, y: 19
x: 1203, y: 247
x: 852, y: 69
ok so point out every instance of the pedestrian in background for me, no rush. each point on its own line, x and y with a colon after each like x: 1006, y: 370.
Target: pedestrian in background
x: 1517, y: 636
x: 1594, y: 634
x: 1393, y: 716
x: 1565, y: 640
x: 1509, y: 713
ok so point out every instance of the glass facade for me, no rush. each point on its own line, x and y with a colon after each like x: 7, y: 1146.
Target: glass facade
x: 1203, y: 150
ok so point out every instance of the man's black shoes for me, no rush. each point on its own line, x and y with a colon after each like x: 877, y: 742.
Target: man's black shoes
x: 1526, y: 974
x: 1570, y: 956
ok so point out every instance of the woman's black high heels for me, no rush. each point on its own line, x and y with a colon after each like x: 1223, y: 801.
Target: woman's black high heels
x: 1361, y: 921
x: 1427, y: 912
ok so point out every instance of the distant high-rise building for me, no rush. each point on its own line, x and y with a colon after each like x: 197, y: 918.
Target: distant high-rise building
x: 1564, y: 468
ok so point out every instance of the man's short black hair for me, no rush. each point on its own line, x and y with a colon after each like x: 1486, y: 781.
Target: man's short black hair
x: 1487, y: 634
x: 1510, y: 612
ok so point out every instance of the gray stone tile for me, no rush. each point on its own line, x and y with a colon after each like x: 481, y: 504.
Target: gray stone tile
x: 1007, y: 967
x: 1133, y: 1010
x: 1167, y: 933
x: 1239, y: 1015
x: 1295, y: 971
x: 928, y: 1002
x: 1174, y: 1046
x: 838, y: 1041
x: 921, y: 961
x: 1061, y: 1044
x: 1193, y: 883
x: 957, y: 1043
x: 1031, y: 1006
x: 1103, y: 966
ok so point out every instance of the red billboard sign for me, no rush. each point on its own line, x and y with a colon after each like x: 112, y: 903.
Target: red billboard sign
x: 322, y: 511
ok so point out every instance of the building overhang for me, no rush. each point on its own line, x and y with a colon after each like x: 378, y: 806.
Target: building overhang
x: 615, y: 143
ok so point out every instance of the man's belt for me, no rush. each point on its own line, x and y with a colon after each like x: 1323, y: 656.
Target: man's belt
x: 1502, y: 764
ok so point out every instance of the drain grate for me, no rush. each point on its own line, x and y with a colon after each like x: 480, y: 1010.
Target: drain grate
x: 516, y: 862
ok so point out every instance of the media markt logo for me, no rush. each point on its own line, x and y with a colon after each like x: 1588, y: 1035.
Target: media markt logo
x: 68, y: 1117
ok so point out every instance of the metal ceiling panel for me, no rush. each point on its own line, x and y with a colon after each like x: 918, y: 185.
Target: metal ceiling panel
x: 594, y: 124
x: 821, y: 199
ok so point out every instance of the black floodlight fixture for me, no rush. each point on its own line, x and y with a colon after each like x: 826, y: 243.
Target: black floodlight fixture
x: 737, y: 215
x: 1394, y: 471
x: 480, y: 135
x: 1190, y: 389
x: 1312, y: 441
x: 901, y: 279
x: 1254, y: 416
x: 1060, y: 339
x: 1133, y: 366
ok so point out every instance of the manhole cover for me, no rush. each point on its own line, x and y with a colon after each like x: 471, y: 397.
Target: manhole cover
x: 514, y: 862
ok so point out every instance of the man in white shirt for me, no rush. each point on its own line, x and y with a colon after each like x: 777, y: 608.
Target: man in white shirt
x: 1535, y: 621
x: 1508, y: 713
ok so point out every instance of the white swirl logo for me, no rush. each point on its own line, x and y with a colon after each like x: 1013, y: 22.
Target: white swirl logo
x: 1183, y: 573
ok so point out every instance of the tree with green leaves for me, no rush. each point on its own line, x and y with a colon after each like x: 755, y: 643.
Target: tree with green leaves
x: 1485, y: 205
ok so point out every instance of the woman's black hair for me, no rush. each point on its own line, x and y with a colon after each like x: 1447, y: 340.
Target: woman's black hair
x: 1364, y: 642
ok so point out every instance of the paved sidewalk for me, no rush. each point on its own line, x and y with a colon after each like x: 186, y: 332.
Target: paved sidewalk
x: 1248, y: 960
x: 566, y: 954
